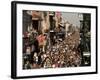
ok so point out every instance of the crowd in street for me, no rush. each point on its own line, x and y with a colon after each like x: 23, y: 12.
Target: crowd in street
x: 38, y: 52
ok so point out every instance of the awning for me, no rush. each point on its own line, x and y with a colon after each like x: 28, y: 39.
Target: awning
x: 36, y: 15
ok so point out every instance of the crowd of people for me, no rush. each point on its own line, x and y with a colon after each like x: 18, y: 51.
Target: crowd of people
x: 38, y: 52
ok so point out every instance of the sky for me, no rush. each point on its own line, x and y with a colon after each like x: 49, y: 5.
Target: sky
x: 72, y: 18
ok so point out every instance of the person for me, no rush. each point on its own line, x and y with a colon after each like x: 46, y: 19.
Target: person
x: 27, y: 65
x: 28, y: 52
x: 35, y: 58
x: 39, y: 58
x: 41, y: 39
x: 47, y: 63
x: 36, y: 45
x: 45, y: 43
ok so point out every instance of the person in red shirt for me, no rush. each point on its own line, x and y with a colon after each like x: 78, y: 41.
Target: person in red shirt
x: 42, y: 41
